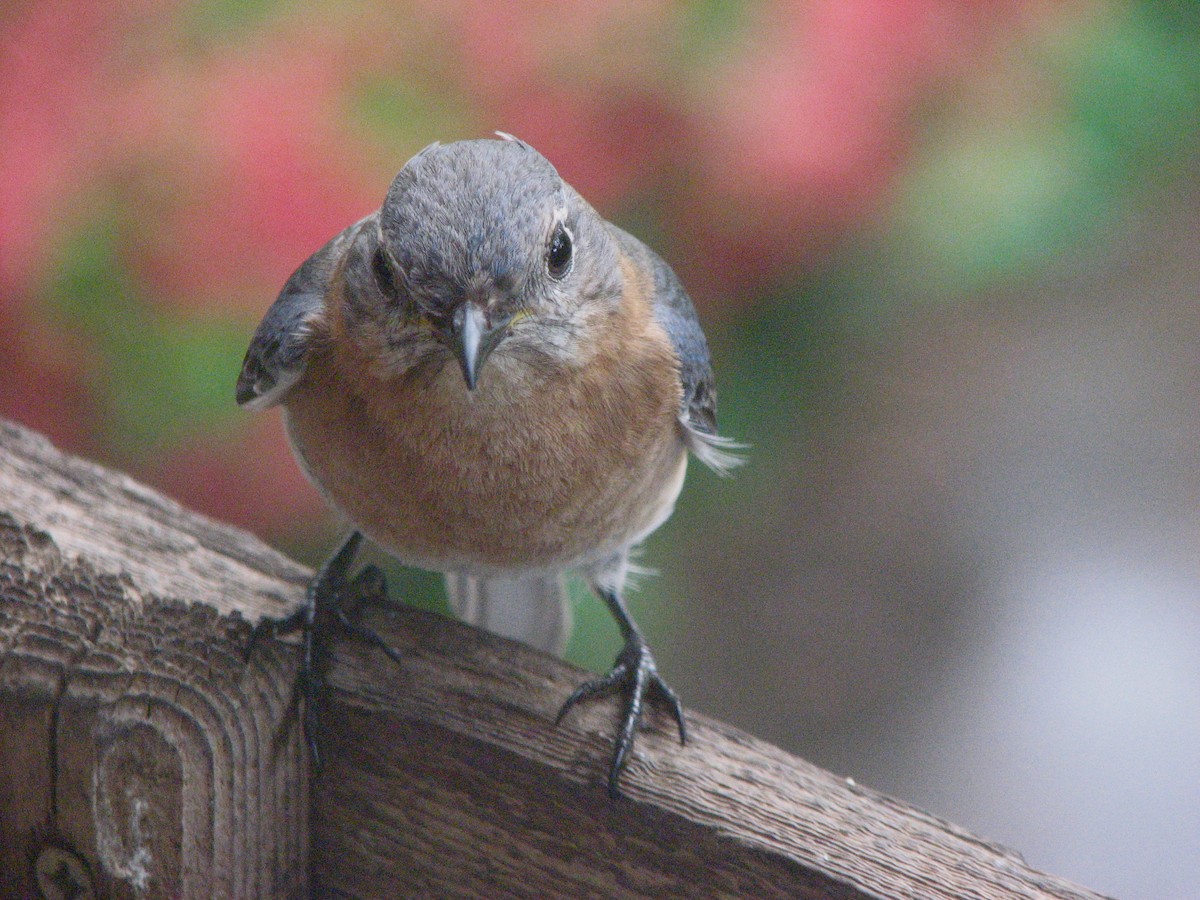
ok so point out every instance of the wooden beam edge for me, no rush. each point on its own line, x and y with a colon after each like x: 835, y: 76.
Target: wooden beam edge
x: 500, y: 698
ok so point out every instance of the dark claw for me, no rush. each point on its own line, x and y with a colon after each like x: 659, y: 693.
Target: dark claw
x: 330, y: 597
x: 269, y: 629
x: 635, y: 674
x: 369, y: 587
x: 310, y: 686
x: 594, y: 688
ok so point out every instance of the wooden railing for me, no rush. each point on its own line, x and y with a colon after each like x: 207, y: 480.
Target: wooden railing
x: 144, y: 753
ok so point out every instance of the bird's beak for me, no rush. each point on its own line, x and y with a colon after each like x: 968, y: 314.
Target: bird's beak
x: 473, y: 340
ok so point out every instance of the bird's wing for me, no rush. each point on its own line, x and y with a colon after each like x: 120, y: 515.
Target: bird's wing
x: 279, y: 348
x: 674, y: 311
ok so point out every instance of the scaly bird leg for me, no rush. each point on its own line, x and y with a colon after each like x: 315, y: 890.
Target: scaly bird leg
x: 330, y: 596
x: 636, y: 676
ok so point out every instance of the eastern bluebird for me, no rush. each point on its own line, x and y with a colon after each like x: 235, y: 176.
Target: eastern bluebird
x: 491, y: 381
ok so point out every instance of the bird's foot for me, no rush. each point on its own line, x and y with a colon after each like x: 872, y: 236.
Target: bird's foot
x: 268, y: 629
x: 331, y: 598
x: 336, y: 604
x: 635, y: 675
x: 368, y: 588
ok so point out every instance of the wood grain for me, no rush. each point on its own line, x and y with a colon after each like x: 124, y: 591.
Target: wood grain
x: 446, y: 776
x: 133, y: 732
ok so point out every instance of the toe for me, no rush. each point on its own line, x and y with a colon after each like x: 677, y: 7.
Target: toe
x: 594, y: 688
x: 672, y: 699
x: 636, y: 676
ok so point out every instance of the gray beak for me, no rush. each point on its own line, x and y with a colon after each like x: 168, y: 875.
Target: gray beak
x: 473, y: 340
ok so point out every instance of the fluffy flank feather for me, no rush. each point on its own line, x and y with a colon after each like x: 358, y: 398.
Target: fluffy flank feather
x: 718, y: 453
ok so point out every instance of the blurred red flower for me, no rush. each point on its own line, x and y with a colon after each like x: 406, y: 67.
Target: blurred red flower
x: 272, y: 171
x: 56, y: 65
x: 582, y: 82
x: 250, y: 479
x: 219, y: 159
x: 812, y: 124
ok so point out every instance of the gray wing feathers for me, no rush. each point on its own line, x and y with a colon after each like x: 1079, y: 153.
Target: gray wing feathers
x: 674, y: 311
x: 275, y: 360
x: 533, y: 609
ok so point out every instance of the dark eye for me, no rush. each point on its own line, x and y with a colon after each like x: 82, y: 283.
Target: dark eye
x: 382, y: 270
x: 558, y: 254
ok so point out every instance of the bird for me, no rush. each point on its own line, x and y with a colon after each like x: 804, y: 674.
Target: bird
x: 489, y: 380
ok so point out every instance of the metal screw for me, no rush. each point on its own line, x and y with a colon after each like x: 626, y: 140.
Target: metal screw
x: 61, y: 875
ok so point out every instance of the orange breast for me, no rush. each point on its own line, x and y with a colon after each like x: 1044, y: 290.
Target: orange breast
x: 543, y: 470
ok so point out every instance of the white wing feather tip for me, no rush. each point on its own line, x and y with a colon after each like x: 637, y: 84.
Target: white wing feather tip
x: 268, y: 393
x: 265, y: 399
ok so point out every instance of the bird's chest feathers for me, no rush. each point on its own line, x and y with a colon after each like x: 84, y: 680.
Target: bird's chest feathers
x: 524, y: 425
x: 537, y: 461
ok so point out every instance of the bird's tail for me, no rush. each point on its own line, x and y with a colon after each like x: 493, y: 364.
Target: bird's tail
x: 533, y: 609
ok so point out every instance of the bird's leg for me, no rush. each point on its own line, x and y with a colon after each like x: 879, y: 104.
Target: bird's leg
x: 330, y: 596
x: 636, y: 676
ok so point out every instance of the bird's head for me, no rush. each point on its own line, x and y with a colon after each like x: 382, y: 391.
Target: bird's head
x: 481, y: 251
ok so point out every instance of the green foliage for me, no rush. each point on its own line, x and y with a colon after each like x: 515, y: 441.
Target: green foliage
x: 710, y: 27
x: 594, y: 638
x: 1134, y: 88
x: 210, y: 22
x: 399, y: 112
x: 161, y: 377
x: 1002, y: 194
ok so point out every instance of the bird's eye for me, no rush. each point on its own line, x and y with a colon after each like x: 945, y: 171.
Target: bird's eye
x: 558, y: 254
x: 382, y: 269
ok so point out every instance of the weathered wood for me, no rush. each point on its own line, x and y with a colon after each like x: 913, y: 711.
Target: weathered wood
x: 121, y: 681
x: 133, y: 734
x: 447, y: 777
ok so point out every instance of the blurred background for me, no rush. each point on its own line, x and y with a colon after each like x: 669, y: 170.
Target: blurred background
x: 948, y: 257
